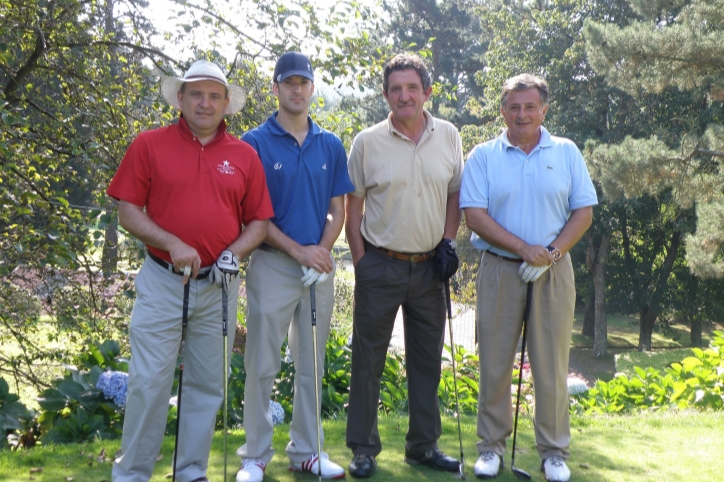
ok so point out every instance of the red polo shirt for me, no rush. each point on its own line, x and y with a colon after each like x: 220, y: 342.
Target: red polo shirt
x: 202, y: 194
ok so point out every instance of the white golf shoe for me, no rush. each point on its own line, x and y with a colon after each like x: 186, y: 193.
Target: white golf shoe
x: 488, y: 465
x: 555, y: 469
x: 252, y: 470
x: 330, y: 470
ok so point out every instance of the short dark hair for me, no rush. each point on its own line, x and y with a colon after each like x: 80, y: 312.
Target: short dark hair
x: 183, y: 88
x: 524, y: 82
x: 405, y: 62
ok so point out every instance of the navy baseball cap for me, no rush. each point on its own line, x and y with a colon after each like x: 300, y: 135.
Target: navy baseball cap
x: 293, y: 63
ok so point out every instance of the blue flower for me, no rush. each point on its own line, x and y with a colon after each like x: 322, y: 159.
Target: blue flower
x: 277, y: 412
x: 114, y: 386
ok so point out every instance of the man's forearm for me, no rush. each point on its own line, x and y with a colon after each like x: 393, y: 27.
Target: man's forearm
x: 333, y: 225
x: 453, y: 216
x: 577, y: 225
x: 250, y: 238
x: 135, y: 220
x: 354, y: 209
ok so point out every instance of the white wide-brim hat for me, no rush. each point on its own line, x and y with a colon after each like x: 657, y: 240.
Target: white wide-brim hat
x: 203, y: 70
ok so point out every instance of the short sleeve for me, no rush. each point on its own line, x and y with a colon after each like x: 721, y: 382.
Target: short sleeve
x: 356, y: 168
x: 474, y: 191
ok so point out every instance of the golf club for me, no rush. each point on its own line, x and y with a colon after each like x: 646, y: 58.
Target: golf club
x: 461, y: 467
x: 225, y: 331
x: 521, y: 474
x: 313, y: 304
x: 184, y: 323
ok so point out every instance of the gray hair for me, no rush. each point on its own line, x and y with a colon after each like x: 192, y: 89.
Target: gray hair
x: 524, y: 82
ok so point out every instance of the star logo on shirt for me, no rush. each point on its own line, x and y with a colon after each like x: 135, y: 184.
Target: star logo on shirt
x: 226, y: 168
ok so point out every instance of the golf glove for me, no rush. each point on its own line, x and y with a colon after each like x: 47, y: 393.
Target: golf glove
x: 311, y: 275
x: 446, y: 259
x: 530, y: 273
x: 226, y: 266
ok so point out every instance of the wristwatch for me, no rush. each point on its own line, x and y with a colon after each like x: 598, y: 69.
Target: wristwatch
x: 555, y: 252
x: 452, y: 243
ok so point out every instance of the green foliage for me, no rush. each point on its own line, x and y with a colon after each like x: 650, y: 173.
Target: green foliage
x: 73, y: 410
x: 695, y: 382
x: 467, y: 374
x: 12, y: 413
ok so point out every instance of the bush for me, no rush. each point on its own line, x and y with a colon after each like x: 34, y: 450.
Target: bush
x: 695, y: 382
x: 12, y: 414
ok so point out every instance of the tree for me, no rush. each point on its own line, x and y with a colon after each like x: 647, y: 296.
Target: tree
x: 78, y: 81
x: 675, y: 50
x: 456, y: 48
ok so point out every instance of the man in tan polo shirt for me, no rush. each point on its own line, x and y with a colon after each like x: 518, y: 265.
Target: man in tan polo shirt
x: 402, y: 219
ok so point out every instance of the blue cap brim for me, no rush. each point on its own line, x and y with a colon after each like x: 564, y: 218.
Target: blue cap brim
x: 301, y: 73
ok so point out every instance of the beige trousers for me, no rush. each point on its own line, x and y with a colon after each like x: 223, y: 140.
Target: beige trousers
x: 277, y: 304
x: 500, y: 304
x: 155, y: 334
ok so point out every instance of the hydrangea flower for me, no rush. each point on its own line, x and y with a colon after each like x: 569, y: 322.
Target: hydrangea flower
x: 114, y: 386
x: 277, y: 412
x: 576, y: 386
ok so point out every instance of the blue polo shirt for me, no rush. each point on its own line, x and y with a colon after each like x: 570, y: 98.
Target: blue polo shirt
x: 302, y: 180
x: 530, y: 195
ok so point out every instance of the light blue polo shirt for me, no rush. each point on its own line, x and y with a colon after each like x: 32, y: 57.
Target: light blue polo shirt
x: 530, y: 195
x: 301, y: 179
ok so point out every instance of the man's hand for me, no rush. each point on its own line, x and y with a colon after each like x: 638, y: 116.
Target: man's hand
x: 311, y: 275
x: 528, y: 272
x: 226, y: 266
x: 186, y: 260
x: 446, y: 259
x: 315, y: 256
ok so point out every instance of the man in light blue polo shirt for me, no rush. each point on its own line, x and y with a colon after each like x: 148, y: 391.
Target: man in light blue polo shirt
x: 528, y: 199
x: 306, y: 169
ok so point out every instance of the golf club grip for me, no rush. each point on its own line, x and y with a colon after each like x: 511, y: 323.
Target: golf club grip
x: 528, y: 296
x: 313, y: 303
x: 447, y: 298
x: 224, y: 307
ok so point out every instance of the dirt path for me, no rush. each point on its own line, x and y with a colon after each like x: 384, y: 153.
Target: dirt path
x: 584, y: 364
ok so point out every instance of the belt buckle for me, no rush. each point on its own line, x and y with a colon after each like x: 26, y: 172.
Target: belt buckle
x: 416, y: 258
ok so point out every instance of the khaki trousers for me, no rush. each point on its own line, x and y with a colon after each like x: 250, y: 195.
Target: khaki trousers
x: 277, y: 304
x: 501, y: 301
x: 155, y: 335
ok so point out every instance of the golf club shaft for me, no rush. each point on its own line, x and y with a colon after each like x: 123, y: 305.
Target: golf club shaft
x: 225, y: 332
x: 455, y: 375
x: 184, y: 323
x: 313, y: 304
x: 526, y: 314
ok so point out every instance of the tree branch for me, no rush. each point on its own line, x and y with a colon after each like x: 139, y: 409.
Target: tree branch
x: 14, y: 82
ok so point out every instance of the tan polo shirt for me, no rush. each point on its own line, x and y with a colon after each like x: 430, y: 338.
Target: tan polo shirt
x: 405, y: 185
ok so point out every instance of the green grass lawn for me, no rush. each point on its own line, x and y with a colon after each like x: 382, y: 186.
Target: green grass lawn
x: 684, y: 446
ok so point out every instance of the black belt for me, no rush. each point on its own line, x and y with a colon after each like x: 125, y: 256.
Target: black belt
x: 169, y: 266
x: 505, y: 258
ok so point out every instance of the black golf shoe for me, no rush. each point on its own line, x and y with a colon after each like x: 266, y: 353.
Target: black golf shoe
x: 434, y: 458
x: 362, y: 466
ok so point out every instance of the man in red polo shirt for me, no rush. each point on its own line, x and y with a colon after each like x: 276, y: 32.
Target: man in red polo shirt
x: 197, y: 197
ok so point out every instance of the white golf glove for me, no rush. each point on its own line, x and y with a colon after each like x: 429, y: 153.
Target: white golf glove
x: 530, y: 273
x: 311, y: 275
x: 226, y: 266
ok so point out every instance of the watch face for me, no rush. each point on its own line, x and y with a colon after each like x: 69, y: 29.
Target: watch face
x: 453, y: 244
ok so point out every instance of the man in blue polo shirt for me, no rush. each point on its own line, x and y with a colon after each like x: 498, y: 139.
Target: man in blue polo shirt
x: 306, y: 169
x: 528, y: 199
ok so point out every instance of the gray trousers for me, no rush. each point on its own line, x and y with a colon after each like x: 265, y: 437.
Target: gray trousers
x: 155, y: 334
x: 383, y: 284
x: 501, y: 300
x: 277, y: 304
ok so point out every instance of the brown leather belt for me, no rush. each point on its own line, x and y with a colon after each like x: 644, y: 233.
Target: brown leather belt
x: 411, y: 257
x: 505, y: 258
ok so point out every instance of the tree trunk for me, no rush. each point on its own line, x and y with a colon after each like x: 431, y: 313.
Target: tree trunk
x: 696, y: 329
x: 589, y: 319
x: 600, y: 339
x: 649, y: 312
x: 109, y: 257
x: 647, y: 319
